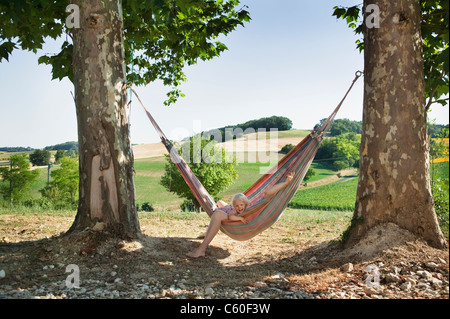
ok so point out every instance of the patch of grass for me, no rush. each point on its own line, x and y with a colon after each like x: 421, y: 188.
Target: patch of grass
x: 334, y: 196
x: 300, y: 224
x: 293, y: 133
x: 248, y: 173
x: 22, y: 210
x: 151, y: 165
x: 440, y: 170
x: 41, y: 182
x: 322, y: 171
x: 167, y: 216
x: 148, y: 188
x: 303, y: 216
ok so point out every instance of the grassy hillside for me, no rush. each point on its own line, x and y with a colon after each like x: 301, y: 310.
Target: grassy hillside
x: 340, y: 196
x: 148, y: 189
x: 440, y: 170
x: 150, y: 170
x: 331, y: 196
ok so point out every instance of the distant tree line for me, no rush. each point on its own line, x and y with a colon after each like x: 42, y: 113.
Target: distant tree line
x: 230, y: 132
x: 16, y: 149
x: 342, y: 126
x: 67, y: 146
x: 341, y: 149
x: 280, y: 123
x: 438, y: 130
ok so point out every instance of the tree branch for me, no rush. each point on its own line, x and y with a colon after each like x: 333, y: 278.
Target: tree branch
x: 430, y: 100
x: 433, y: 26
x: 434, y: 14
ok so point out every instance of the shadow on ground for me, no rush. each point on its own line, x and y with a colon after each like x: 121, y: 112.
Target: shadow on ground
x: 162, y: 260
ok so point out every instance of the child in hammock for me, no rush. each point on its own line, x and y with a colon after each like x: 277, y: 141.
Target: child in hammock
x: 231, y: 212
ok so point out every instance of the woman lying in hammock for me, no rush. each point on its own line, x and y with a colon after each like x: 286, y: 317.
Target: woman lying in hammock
x: 231, y: 212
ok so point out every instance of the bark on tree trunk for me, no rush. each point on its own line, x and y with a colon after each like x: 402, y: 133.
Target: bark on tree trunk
x: 394, y: 184
x: 106, y: 191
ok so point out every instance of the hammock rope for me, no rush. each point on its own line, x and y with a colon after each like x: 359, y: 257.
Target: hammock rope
x: 261, y: 212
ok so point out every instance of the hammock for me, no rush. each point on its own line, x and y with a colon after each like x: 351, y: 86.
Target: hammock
x: 261, y: 212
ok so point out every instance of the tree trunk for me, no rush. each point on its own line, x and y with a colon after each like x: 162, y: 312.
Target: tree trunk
x: 394, y: 183
x: 106, y: 191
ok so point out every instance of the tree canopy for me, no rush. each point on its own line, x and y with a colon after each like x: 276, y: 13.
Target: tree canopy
x: 341, y: 126
x: 435, y: 37
x: 340, y: 151
x: 67, y: 146
x: 63, y: 189
x: 229, y: 132
x: 161, y: 36
x: 210, y: 164
x: 17, y: 178
x: 40, y: 157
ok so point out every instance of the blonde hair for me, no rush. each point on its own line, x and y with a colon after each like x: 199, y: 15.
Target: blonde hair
x: 241, y: 197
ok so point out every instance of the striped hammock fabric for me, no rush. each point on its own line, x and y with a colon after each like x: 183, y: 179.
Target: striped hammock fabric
x: 261, y: 212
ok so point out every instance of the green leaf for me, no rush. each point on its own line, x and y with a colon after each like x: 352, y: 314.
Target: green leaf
x: 6, y: 49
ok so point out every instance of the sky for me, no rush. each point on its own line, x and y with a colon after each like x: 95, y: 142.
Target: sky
x: 293, y: 59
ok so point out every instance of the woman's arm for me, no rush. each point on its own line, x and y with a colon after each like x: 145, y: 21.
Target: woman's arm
x: 276, y: 188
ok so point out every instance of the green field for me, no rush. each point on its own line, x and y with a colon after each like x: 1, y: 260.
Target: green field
x: 333, y: 196
x: 148, y: 189
x: 342, y: 195
x: 322, y: 171
x: 330, y: 196
x: 150, y: 170
x: 440, y: 170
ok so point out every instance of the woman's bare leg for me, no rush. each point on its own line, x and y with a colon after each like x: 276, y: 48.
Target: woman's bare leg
x: 213, y: 229
x: 220, y: 204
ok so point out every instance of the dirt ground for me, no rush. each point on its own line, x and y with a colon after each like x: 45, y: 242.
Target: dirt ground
x: 282, y: 262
